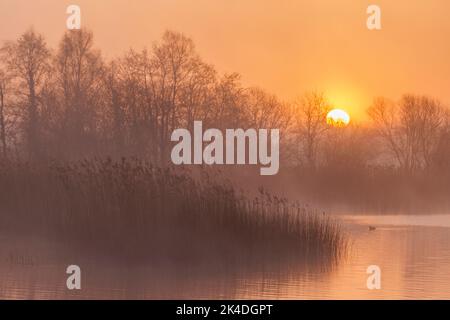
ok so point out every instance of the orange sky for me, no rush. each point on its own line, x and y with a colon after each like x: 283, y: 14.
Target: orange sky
x: 284, y: 46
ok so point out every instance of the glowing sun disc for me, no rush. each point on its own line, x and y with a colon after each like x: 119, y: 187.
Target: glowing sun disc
x: 338, y: 117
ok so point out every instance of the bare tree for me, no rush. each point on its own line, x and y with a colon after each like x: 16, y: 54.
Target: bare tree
x: 172, y: 63
x: 131, y: 77
x: 441, y: 157
x: 27, y: 61
x: 384, y: 113
x: 265, y: 110
x: 433, y: 120
x: 79, y: 72
x: 114, y: 113
x: 3, y: 88
x: 310, y: 124
x: 410, y: 128
x: 196, y: 95
x: 228, y: 97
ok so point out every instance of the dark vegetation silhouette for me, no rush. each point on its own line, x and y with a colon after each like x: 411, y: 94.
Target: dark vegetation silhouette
x: 397, y: 163
x: 70, y: 103
x: 85, y: 157
x: 131, y: 209
x: 71, y: 124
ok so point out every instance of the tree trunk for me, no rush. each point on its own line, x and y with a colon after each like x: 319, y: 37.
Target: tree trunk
x: 2, y: 121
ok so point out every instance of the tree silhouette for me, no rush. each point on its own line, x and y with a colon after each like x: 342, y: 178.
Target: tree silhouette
x: 27, y: 60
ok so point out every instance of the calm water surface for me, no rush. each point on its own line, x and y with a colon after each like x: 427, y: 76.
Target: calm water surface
x: 413, y: 253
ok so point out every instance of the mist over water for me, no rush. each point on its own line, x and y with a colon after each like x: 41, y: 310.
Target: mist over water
x: 414, y: 258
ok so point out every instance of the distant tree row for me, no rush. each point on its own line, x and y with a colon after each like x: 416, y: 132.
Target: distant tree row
x: 71, y: 103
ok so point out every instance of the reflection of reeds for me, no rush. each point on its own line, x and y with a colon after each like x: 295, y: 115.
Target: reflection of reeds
x: 133, y: 210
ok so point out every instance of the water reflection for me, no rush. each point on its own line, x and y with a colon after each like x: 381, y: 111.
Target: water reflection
x: 413, y: 253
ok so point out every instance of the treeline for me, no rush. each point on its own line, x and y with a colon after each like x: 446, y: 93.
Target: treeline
x: 70, y: 103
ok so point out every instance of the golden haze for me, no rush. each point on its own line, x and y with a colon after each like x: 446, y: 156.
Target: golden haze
x: 286, y: 47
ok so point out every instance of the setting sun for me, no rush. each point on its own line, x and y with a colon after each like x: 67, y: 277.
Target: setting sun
x: 338, y: 117
x: 208, y: 150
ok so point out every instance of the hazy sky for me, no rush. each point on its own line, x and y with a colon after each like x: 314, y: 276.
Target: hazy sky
x: 284, y: 46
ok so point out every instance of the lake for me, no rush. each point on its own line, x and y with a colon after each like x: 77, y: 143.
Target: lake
x: 412, y: 251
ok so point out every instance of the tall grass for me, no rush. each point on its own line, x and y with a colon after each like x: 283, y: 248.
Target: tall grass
x: 131, y: 210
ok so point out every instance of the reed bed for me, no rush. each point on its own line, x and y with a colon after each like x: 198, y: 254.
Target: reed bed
x: 130, y: 210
